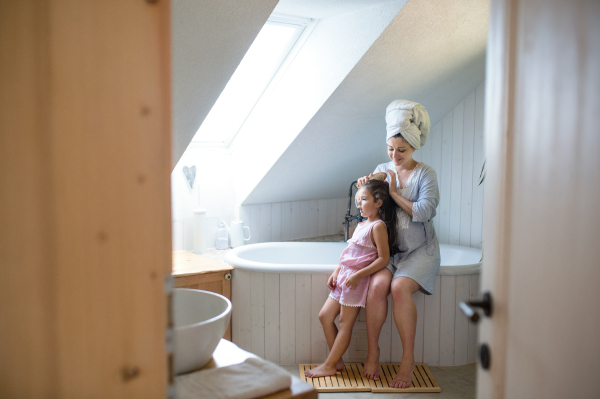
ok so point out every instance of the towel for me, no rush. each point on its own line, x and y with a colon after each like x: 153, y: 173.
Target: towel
x: 410, y: 120
x: 251, y: 379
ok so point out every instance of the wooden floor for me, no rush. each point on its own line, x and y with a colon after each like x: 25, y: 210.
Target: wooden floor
x: 351, y: 379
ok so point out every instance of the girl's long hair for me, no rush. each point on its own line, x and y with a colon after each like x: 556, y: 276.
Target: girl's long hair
x: 387, y: 212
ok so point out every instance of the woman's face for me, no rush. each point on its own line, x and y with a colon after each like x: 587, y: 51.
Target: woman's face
x: 399, y: 151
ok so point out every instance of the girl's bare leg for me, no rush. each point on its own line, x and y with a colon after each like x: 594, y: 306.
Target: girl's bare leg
x: 376, y: 312
x: 327, y: 316
x: 405, y: 316
x: 348, y: 315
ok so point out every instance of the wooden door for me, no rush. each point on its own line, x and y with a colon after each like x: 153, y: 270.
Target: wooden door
x: 85, y: 228
x: 542, y: 200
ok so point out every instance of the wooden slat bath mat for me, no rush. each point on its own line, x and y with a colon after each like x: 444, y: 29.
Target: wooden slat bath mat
x: 422, y: 380
x: 350, y: 379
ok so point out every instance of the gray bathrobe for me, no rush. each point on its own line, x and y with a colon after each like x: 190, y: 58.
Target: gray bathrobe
x: 419, y: 256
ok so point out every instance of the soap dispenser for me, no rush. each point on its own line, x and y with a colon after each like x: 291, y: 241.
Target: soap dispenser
x: 223, y: 236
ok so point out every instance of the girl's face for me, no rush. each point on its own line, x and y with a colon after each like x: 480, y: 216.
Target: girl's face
x: 366, y: 203
x: 399, y: 151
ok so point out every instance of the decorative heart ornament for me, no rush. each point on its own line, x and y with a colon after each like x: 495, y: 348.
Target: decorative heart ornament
x: 190, y: 175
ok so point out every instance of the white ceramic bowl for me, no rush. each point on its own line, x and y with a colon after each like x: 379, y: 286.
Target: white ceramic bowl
x: 200, y: 319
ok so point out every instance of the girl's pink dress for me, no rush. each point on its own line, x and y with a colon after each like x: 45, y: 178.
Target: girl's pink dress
x: 359, y: 253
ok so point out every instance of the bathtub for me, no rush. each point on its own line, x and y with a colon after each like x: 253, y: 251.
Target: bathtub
x: 278, y: 289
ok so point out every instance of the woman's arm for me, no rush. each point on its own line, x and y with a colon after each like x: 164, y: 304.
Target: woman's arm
x: 380, y: 239
x: 423, y: 209
x: 406, y: 205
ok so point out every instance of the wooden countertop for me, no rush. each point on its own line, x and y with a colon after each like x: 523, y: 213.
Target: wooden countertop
x: 228, y: 353
x: 187, y: 263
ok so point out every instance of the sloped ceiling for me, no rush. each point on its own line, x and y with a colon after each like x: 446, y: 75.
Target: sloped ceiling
x: 209, y: 39
x: 433, y: 52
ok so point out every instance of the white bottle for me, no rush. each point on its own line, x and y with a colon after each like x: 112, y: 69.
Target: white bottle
x: 222, y: 236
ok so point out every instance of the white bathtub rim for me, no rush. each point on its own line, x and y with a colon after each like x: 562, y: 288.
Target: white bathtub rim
x: 233, y: 258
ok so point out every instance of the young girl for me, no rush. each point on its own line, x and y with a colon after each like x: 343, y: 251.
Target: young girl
x: 368, y: 251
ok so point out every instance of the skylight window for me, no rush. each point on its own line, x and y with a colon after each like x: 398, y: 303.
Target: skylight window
x: 249, y: 81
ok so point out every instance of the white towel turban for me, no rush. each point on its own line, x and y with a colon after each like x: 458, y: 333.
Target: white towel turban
x: 410, y: 120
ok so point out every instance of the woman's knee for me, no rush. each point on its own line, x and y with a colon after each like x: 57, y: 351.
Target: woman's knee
x: 402, y: 288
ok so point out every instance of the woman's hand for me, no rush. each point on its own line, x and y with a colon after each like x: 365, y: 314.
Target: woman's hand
x: 392, y: 175
x: 331, y: 283
x: 353, y: 280
x: 363, y: 180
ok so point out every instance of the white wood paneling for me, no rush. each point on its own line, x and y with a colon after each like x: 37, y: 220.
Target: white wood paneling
x: 276, y: 222
x: 265, y: 223
x: 322, y: 215
x: 257, y: 306
x: 436, y: 163
x: 287, y: 318
x: 431, y: 325
x: 456, y: 187
x: 467, y: 170
x: 446, y: 181
x: 303, y: 317
x: 255, y: 224
x: 319, y: 293
x: 242, y: 314
x: 479, y: 157
x: 272, y: 324
x: 286, y: 221
x: 304, y: 219
x: 313, y: 218
x: 472, y: 340
x: 332, y: 217
x: 461, y: 323
x: 295, y: 227
x: 283, y: 321
x: 447, y: 318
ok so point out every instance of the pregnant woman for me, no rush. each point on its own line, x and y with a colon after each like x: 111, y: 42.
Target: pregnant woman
x: 413, y: 186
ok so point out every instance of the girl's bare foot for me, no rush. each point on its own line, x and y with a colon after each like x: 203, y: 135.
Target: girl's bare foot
x: 404, y: 376
x: 371, y: 369
x: 340, y: 365
x: 320, y: 371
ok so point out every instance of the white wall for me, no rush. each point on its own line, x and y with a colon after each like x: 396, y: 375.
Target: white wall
x: 456, y: 152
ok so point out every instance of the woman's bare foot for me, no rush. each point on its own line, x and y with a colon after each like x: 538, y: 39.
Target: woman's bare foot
x: 371, y: 369
x: 320, y: 371
x: 340, y: 365
x: 404, y: 376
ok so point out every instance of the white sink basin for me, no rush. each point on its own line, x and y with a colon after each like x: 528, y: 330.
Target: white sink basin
x: 200, y: 319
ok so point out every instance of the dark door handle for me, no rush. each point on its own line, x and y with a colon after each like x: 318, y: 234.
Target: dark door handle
x: 485, y: 304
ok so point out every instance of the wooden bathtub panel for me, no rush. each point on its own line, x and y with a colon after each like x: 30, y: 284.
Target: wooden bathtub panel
x: 272, y: 329
x: 303, y: 309
x: 287, y: 318
x: 472, y: 343
x: 461, y: 323
x: 431, y: 320
x: 243, y: 316
x: 447, y: 318
x: 319, y: 294
x: 257, y: 308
